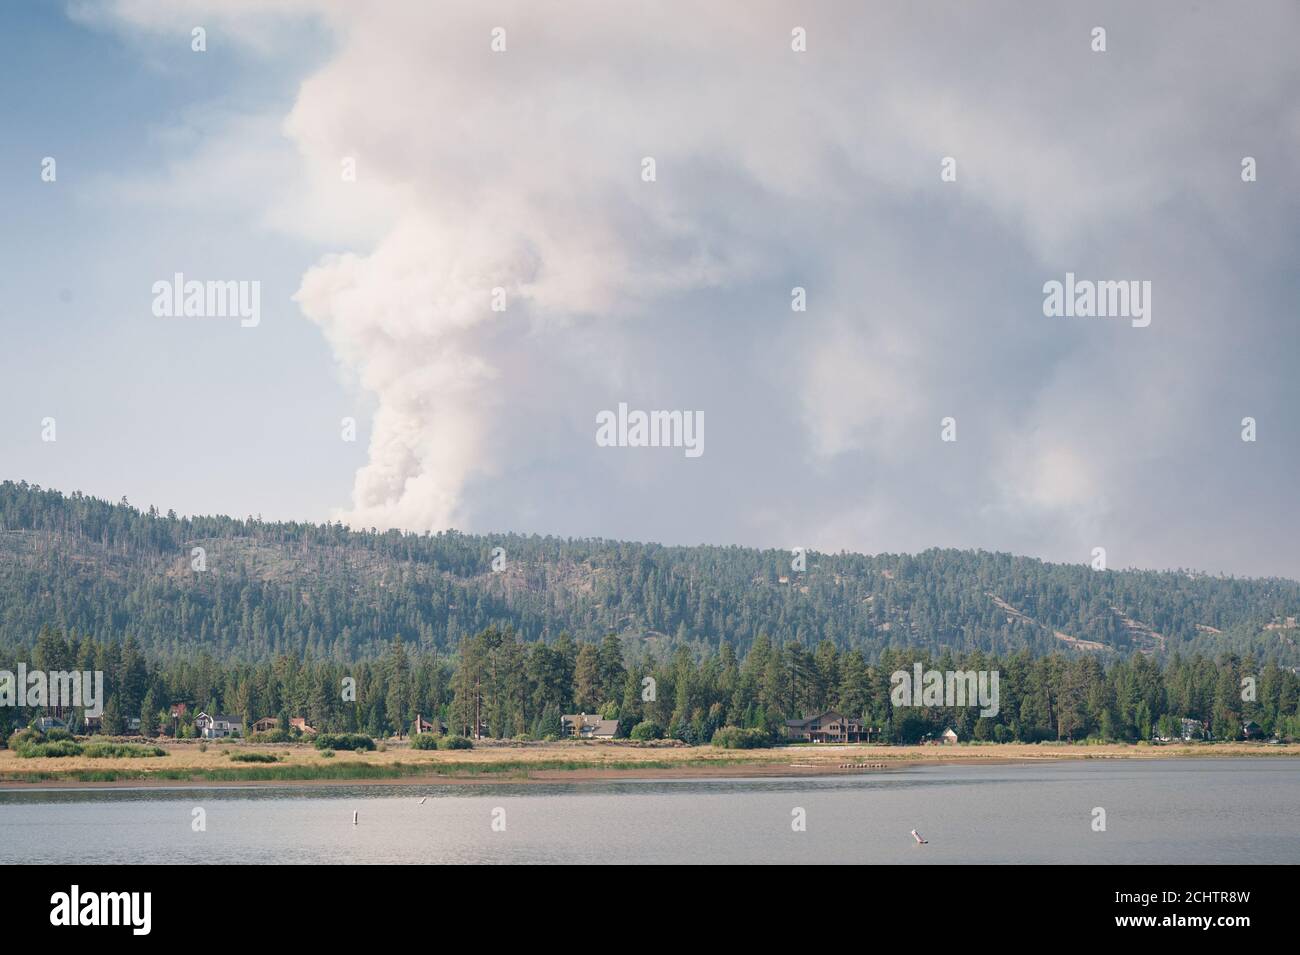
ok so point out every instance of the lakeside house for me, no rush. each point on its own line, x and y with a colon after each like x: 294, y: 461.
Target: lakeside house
x: 302, y: 726
x: 1187, y: 730
x: 267, y: 724
x: 584, y: 726
x: 421, y: 725
x: 828, y: 727
x: 1250, y: 730
x: 47, y: 723
x: 218, y: 726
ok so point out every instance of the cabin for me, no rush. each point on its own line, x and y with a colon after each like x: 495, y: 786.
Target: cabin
x: 267, y: 724
x: 949, y: 737
x: 584, y: 726
x: 421, y: 725
x: 218, y: 726
x: 47, y: 723
x: 828, y: 727
x: 1250, y: 730
x: 302, y: 726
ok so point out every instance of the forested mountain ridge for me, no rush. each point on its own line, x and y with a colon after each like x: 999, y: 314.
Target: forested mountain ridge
x: 108, y: 570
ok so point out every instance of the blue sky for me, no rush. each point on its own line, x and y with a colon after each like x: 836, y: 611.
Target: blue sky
x: 521, y: 169
x: 189, y: 417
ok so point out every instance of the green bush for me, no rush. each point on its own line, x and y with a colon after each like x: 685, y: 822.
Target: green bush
x: 454, y: 742
x: 344, y: 741
x: 327, y: 754
x: 121, y: 750
x: 737, y: 737
x: 647, y: 729
x: 63, y: 747
x: 424, y: 741
x: 274, y: 736
x: 255, y: 757
x: 55, y: 735
x: 25, y: 736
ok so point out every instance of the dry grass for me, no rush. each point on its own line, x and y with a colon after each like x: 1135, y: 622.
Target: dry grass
x: 588, y: 757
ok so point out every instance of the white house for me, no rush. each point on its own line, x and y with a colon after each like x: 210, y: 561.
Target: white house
x: 215, y: 727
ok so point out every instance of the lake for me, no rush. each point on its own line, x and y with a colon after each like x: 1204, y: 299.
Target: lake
x: 1156, y: 811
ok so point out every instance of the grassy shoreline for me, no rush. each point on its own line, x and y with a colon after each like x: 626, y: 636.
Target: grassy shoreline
x: 186, y: 764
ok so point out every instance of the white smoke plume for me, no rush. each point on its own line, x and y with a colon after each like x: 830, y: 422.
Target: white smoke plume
x: 515, y: 170
x: 522, y: 170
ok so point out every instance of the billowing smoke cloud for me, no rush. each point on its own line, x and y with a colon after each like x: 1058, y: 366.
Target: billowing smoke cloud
x: 518, y: 177
x: 521, y: 170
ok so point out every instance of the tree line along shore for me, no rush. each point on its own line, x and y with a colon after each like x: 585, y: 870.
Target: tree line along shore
x: 497, y: 686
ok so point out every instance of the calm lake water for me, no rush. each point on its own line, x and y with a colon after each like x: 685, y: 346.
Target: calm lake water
x: 1169, y: 811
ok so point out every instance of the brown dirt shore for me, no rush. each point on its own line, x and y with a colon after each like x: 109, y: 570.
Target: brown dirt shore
x: 185, y: 765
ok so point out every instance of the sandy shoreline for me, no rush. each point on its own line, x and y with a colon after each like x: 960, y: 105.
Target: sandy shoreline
x: 188, y: 767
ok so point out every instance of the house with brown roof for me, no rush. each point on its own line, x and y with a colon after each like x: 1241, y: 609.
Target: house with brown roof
x: 301, y: 725
x: 266, y: 724
x: 587, y: 726
x: 421, y: 725
x: 829, y: 727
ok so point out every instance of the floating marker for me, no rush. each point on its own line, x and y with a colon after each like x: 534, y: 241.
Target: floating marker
x: 354, y: 820
x: 424, y: 800
x: 917, y: 836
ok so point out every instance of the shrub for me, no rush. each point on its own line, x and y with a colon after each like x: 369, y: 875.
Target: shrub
x: 344, y: 741
x: 63, y: 747
x: 273, y: 736
x: 736, y: 737
x: 255, y: 757
x: 25, y: 736
x: 203, y: 747
x: 454, y: 742
x: 55, y: 735
x: 424, y: 741
x: 647, y: 729
x: 327, y: 754
x: 120, y: 751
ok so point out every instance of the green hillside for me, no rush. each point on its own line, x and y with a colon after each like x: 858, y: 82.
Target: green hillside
x: 108, y: 570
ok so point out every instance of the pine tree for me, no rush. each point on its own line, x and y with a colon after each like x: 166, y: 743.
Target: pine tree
x: 149, y: 715
x: 112, y: 717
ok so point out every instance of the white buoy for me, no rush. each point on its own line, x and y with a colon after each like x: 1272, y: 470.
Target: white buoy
x: 424, y: 800
x: 917, y: 836
x: 354, y: 819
